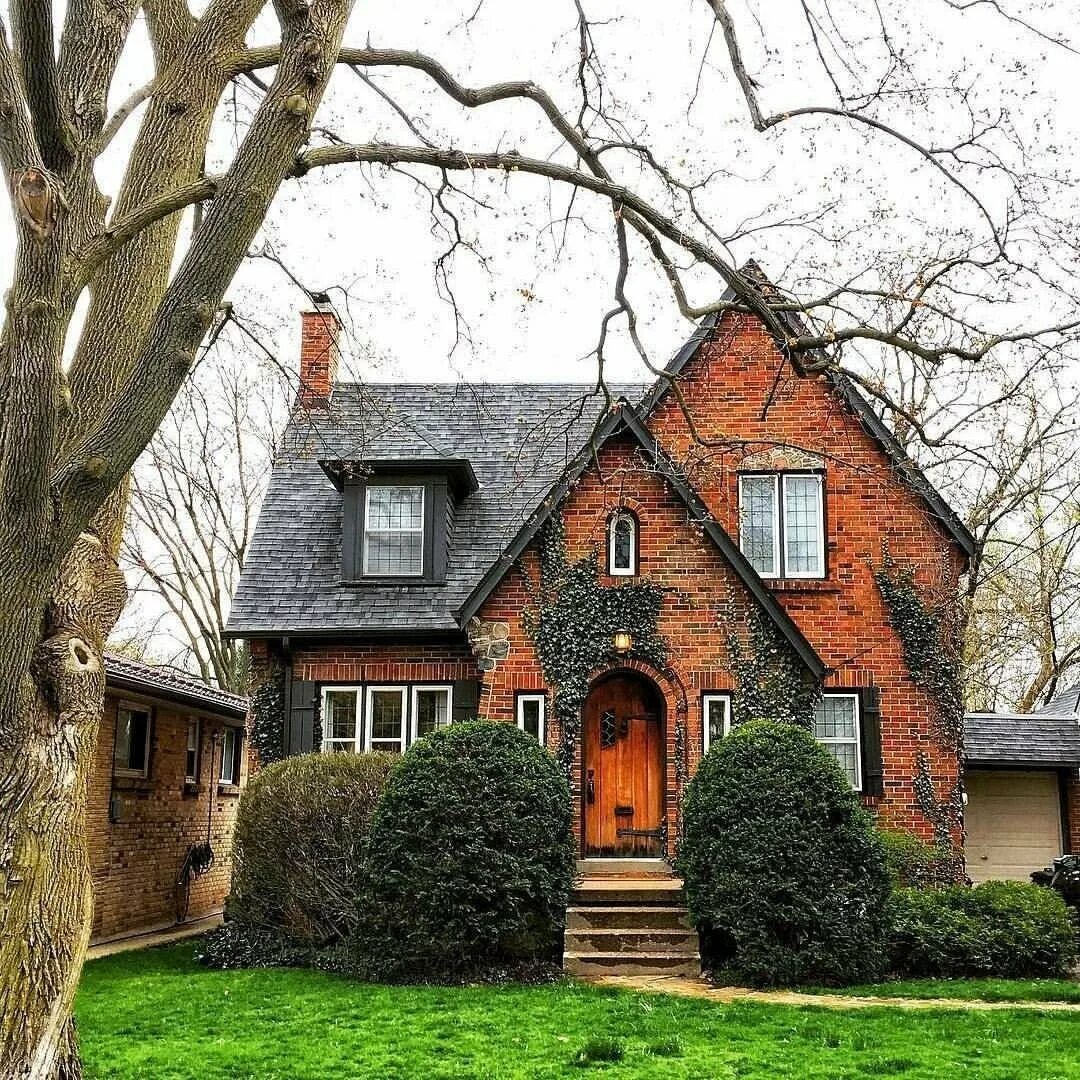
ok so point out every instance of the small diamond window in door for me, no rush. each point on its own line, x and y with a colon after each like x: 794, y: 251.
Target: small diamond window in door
x: 608, y: 730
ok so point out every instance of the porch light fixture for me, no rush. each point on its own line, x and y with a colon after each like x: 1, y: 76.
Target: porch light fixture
x: 623, y: 641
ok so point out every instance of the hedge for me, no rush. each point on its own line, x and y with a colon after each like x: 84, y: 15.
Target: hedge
x: 1005, y: 929
x: 785, y: 877
x: 470, y: 858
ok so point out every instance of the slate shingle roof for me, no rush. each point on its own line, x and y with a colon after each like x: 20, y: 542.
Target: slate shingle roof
x: 1023, y: 739
x: 123, y: 673
x: 518, y: 437
x: 1064, y: 703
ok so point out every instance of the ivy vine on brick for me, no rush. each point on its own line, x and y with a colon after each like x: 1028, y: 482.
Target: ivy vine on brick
x: 268, y: 714
x: 770, y: 681
x: 927, y: 643
x: 573, y: 621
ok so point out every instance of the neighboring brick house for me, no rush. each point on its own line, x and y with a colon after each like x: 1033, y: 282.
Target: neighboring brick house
x: 401, y: 576
x: 171, y: 761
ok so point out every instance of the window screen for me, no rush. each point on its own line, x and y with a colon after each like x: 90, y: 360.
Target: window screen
x: 394, y: 531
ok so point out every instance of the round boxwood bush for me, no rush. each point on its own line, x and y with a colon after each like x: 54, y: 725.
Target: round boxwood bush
x: 298, y: 844
x: 785, y: 876
x: 1004, y: 929
x: 470, y: 857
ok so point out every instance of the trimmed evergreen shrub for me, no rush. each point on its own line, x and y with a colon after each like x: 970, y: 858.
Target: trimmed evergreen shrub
x: 470, y: 857
x: 298, y: 844
x: 785, y: 875
x: 914, y: 862
x: 1004, y: 929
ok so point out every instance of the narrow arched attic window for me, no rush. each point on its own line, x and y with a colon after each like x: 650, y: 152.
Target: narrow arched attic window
x: 622, y: 544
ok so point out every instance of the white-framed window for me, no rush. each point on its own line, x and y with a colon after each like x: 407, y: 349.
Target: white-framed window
x: 782, y: 524
x: 836, y: 727
x: 191, y: 755
x: 394, y: 530
x: 716, y: 717
x: 231, y: 742
x: 385, y: 718
x: 131, y: 749
x: 622, y: 544
x: 532, y: 715
x: 342, y: 720
x: 432, y: 708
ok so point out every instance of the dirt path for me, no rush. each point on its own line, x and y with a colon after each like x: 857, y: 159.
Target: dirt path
x: 698, y: 988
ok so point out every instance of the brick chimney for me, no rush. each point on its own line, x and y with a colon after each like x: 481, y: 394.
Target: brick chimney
x: 319, y: 329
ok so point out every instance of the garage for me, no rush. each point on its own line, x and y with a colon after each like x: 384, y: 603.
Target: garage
x: 1015, y: 771
x: 1012, y: 823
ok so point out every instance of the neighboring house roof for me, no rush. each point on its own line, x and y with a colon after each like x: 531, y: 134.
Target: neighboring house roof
x: 154, y: 680
x: 1032, y: 740
x: 1063, y: 703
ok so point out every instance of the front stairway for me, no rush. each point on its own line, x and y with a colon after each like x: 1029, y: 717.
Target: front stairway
x: 627, y: 917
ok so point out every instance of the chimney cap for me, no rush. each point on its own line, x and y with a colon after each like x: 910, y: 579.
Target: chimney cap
x: 321, y: 300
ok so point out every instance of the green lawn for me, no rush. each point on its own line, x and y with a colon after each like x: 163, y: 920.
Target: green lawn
x: 968, y: 989
x: 157, y: 1014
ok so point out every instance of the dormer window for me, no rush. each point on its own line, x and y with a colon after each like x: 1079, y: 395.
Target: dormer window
x: 782, y: 523
x: 622, y: 544
x: 394, y: 530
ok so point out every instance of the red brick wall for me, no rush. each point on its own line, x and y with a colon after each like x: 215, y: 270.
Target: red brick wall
x: 743, y: 401
x: 136, y: 860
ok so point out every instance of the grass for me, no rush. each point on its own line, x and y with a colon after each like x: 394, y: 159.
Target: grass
x: 967, y: 989
x: 157, y: 1014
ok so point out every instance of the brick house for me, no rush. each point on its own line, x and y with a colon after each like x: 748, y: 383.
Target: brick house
x: 170, y: 764
x: 422, y: 547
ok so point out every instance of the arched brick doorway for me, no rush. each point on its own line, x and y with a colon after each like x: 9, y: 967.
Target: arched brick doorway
x: 624, y: 739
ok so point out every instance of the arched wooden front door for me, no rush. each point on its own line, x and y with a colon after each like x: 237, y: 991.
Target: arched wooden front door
x: 623, y: 731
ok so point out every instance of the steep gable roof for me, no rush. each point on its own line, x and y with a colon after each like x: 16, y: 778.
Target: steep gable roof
x: 625, y: 418
x: 871, y: 423
x: 1063, y: 703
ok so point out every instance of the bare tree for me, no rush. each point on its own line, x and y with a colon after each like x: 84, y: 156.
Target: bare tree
x: 155, y: 278
x: 195, y: 495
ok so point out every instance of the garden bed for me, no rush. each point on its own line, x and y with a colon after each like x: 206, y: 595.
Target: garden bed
x: 157, y: 1013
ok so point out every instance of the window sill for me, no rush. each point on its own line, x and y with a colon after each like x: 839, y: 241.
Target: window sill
x: 821, y: 585
x: 231, y: 790
x: 132, y: 782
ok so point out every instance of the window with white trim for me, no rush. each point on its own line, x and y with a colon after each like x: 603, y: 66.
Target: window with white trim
x: 394, y: 530
x: 131, y: 749
x: 836, y: 727
x: 622, y: 544
x: 432, y: 708
x: 716, y: 717
x: 343, y: 731
x: 782, y: 524
x: 232, y: 740
x: 385, y: 718
x: 191, y: 756
x: 532, y: 715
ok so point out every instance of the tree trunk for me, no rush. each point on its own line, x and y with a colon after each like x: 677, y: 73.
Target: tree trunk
x: 49, y: 738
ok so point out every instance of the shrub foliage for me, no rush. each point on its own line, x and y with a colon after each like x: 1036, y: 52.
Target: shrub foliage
x: 298, y: 844
x: 785, y: 876
x: 918, y: 863
x: 1007, y: 929
x: 470, y: 856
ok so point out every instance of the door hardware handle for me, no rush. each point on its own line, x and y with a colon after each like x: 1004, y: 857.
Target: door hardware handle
x: 590, y: 788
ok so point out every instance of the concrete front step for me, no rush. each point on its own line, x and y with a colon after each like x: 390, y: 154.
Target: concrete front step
x: 624, y: 868
x: 584, y: 964
x: 641, y: 940
x: 607, y: 891
x: 627, y: 916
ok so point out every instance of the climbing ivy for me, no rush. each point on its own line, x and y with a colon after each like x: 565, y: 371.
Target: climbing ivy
x: 771, y: 683
x: 927, y: 645
x: 268, y: 714
x: 573, y: 622
x: 945, y: 815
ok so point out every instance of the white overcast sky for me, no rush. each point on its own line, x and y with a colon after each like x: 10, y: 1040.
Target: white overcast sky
x: 534, y: 315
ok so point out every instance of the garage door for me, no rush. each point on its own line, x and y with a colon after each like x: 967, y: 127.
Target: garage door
x: 1013, y: 823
